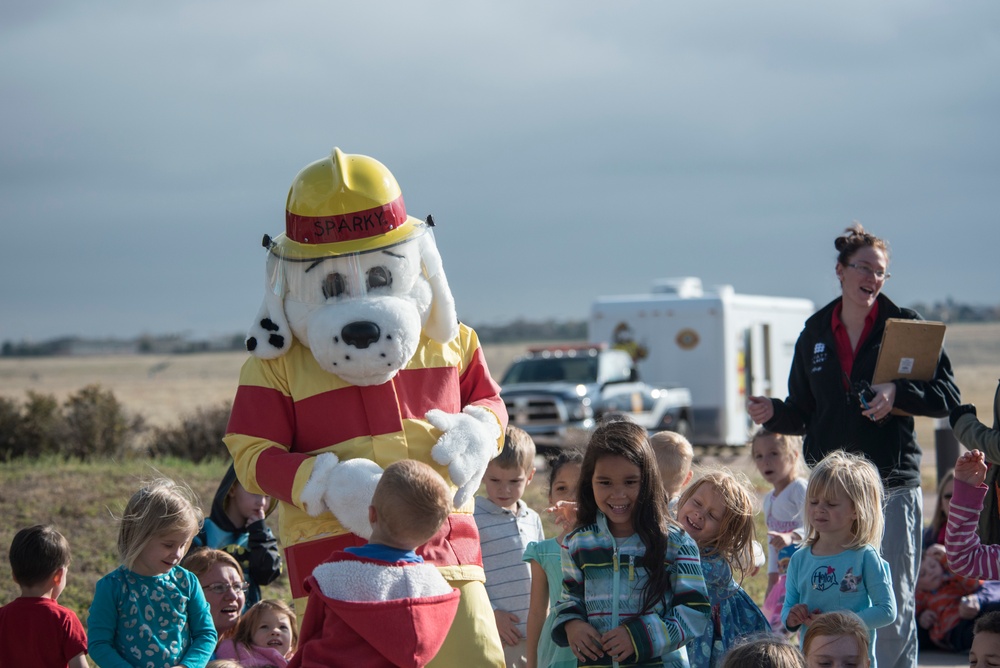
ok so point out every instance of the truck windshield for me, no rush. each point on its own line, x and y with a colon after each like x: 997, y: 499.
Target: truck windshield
x: 552, y: 369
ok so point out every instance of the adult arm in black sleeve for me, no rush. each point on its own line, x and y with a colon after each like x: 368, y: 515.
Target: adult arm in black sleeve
x: 933, y: 398
x: 791, y: 416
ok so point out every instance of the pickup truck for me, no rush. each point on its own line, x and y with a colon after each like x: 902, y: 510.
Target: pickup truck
x: 556, y: 394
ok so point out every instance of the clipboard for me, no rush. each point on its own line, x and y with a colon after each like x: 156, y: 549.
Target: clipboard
x: 910, y: 349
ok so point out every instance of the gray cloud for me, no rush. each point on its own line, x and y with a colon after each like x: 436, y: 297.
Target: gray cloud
x: 567, y: 150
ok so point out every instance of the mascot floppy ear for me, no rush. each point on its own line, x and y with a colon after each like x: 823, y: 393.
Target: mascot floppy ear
x: 270, y: 336
x: 442, y: 319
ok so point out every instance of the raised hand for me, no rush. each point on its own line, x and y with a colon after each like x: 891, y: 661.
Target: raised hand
x: 970, y: 468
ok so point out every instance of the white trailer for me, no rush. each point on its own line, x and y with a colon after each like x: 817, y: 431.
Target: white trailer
x: 720, y: 345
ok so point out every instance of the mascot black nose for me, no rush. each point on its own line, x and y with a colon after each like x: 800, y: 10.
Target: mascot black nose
x: 360, y: 334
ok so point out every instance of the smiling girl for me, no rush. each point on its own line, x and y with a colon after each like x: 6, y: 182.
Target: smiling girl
x: 838, y: 567
x: 633, y: 591
x: 717, y: 511
x: 266, y: 635
x: 545, y: 558
x: 150, y: 612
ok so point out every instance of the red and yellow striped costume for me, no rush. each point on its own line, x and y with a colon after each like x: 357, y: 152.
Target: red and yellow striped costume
x: 289, y: 410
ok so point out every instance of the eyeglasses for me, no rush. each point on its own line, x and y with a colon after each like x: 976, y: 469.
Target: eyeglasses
x: 221, y: 588
x: 865, y: 270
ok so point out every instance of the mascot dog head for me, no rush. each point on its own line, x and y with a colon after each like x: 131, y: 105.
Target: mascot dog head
x: 353, y: 278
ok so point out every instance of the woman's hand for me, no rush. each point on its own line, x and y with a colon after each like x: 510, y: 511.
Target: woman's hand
x: 617, y: 643
x: 970, y: 468
x: 882, y: 402
x: 760, y: 409
x: 584, y: 640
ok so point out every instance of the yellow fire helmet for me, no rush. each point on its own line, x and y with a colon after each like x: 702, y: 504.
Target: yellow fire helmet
x: 343, y: 204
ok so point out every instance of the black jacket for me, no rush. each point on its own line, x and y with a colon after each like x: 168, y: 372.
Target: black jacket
x: 975, y: 435
x: 254, y: 546
x: 830, y: 417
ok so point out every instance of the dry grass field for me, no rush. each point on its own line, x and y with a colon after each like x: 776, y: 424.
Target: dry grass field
x: 163, y: 387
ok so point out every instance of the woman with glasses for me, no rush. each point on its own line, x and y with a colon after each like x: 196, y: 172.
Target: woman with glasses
x: 834, y: 360
x: 222, y: 581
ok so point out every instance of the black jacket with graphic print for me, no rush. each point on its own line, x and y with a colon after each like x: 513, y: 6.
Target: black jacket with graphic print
x: 829, y: 415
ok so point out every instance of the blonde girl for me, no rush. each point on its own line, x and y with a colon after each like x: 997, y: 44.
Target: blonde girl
x: 545, y: 559
x: 150, y: 612
x: 934, y: 534
x: 837, y: 640
x: 718, y: 511
x: 632, y: 586
x: 266, y: 635
x: 778, y: 461
x: 839, y: 567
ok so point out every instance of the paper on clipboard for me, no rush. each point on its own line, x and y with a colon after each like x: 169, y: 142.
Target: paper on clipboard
x: 910, y: 349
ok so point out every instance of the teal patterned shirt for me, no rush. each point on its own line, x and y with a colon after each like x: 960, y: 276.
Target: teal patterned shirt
x: 159, y: 621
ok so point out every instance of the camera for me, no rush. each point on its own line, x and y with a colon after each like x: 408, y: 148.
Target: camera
x: 864, y: 392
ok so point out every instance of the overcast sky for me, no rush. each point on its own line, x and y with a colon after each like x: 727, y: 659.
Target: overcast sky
x: 567, y: 150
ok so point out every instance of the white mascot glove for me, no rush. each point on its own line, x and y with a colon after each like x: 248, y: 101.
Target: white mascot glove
x: 467, y: 445
x: 344, y: 489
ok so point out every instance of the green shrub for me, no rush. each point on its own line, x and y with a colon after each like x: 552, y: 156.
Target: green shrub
x: 91, y: 423
x: 197, y: 437
x: 43, y: 426
x: 97, y: 425
x: 32, y: 430
x: 10, y: 429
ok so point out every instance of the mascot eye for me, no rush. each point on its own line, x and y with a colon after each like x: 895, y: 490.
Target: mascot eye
x: 334, y: 285
x: 379, y: 277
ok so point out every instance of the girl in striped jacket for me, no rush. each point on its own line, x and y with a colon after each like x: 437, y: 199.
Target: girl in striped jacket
x: 633, y: 589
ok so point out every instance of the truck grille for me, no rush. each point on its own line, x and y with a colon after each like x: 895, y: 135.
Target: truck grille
x: 534, y: 411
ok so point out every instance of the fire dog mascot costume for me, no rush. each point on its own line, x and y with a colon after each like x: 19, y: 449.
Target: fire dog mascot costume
x: 357, y: 361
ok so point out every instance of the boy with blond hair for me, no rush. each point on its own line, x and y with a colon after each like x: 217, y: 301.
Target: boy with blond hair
x: 506, y: 527
x: 674, y: 455
x: 379, y: 604
x: 34, y: 629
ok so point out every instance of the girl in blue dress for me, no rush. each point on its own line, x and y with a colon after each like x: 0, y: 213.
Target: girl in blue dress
x: 546, y: 569
x: 717, y: 511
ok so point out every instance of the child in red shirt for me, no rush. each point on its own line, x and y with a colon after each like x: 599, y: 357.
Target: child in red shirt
x: 34, y: 629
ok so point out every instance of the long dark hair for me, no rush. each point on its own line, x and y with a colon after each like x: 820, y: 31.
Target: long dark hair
x: 624, y: 438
